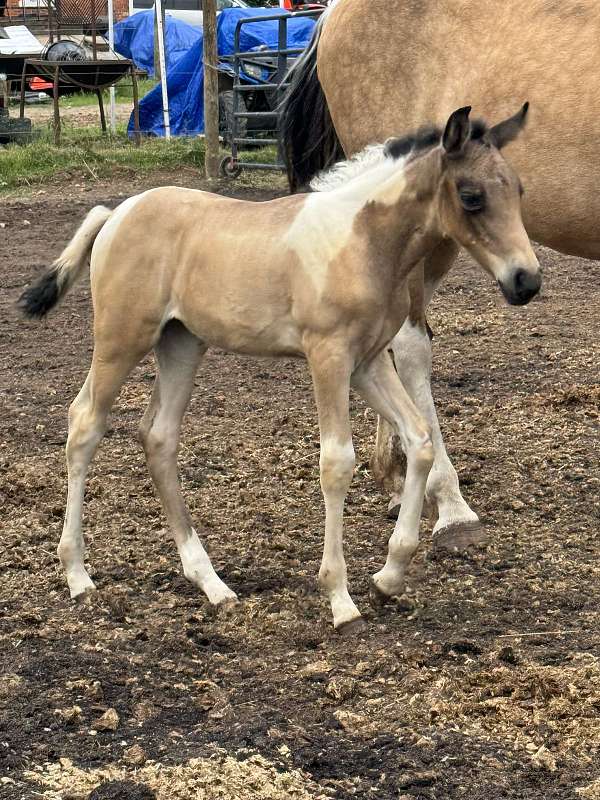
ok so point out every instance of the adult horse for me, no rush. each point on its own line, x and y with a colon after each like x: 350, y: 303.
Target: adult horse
x: 376, y: 67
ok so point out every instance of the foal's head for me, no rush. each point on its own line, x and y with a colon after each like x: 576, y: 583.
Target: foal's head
x: 478, y: 200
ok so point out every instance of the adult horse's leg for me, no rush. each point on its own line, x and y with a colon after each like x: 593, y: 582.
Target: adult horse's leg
x: 383, y: 390
x: 178, y: 354
x: 331, y: 381
x: 87, y: 425
x: 457, y: 525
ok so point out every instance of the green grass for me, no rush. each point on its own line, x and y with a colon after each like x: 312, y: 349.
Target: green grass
x: 85, y: 152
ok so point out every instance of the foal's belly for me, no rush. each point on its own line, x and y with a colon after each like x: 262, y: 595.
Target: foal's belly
x: 250, y: 322
x: 273, y: 339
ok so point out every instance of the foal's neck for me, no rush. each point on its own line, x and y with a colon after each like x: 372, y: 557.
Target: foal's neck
x: 399, y: 217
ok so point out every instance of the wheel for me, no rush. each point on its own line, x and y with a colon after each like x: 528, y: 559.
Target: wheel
x: 229, y: 168
x: 226, y: 117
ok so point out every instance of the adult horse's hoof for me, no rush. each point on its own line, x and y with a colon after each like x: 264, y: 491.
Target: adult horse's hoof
x: 460, y: 536
x: 393, y: 508
x: 377, y: 598
x: 352, y: 628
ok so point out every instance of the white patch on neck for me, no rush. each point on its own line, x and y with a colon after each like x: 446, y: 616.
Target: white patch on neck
x: 324, y: 225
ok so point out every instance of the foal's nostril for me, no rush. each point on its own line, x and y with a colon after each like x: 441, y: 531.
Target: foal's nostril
x: 520, y: 279
x: 522, y: 286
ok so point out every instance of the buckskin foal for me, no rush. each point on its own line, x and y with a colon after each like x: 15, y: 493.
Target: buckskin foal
x: 321, y: 276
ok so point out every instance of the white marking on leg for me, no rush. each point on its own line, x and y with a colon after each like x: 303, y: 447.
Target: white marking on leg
x: 178, y: 354
x: 84, y: 436
x: 198, y: 569
x: 412, y: 356
x: 405, y: 538
x: 337, y: 467
x: 384, y: 392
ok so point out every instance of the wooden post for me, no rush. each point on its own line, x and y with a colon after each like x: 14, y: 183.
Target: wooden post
x: 101, y: 108
x: 211, y: 89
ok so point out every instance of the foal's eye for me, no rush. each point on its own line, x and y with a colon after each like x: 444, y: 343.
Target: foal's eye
x: 472, y: 201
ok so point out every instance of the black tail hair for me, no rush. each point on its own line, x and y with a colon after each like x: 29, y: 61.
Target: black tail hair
x: 310, y: 142
x: 37, y: 300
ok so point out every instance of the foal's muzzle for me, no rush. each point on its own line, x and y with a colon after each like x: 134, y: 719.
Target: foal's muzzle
x: 520, y: 286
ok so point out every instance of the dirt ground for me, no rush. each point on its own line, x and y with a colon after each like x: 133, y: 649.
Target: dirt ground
x: 483, y: 681
x: 79, y: 116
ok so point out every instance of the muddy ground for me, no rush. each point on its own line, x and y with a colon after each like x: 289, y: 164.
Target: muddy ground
x: 483, y: 681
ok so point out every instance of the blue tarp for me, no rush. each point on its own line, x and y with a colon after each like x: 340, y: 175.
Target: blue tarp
x: 134, y: 39
x: 185, y: 77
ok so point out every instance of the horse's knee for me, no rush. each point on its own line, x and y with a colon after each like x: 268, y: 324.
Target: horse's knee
x: 336, y: 465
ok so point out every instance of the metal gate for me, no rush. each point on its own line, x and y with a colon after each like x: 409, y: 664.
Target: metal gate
x: 232, y: 165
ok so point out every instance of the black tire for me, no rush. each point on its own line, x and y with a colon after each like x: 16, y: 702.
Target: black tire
x: 228, y: 168
x: 226, y: 117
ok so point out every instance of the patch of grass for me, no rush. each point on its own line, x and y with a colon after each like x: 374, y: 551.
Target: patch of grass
x: 85, y: 151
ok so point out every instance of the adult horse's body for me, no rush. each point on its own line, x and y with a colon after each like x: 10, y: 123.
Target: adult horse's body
x: 380, y: 66
x: 321, y: 276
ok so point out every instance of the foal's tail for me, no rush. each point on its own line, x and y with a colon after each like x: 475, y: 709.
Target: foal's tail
x: 310, y: 142
x: 67, y: 269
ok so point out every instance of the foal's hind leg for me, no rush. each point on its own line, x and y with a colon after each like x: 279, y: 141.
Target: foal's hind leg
x: 178, y: 353
x: 87, y: 424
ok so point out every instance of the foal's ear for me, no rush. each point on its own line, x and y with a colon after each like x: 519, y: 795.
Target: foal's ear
x: 457, y: 132
x: 504, y: 132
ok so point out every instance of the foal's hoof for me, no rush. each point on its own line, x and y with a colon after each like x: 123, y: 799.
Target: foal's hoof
x: 83, y: 593
x: 227, y: 607
x: 460, y: 536
x: 377, y: 598
x: 352, y: 628
x: 86, y: 599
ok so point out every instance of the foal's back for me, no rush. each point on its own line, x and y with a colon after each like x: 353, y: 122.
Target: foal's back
x: 220, y: 265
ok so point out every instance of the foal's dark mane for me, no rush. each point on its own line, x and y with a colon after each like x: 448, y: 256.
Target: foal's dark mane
x: 425, y: 138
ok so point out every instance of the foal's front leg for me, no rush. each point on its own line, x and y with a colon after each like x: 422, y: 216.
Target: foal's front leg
x: 331, y: 380
x: 381, y: 387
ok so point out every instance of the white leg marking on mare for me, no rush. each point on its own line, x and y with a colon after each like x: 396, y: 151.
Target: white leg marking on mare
x: 412, y: 356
